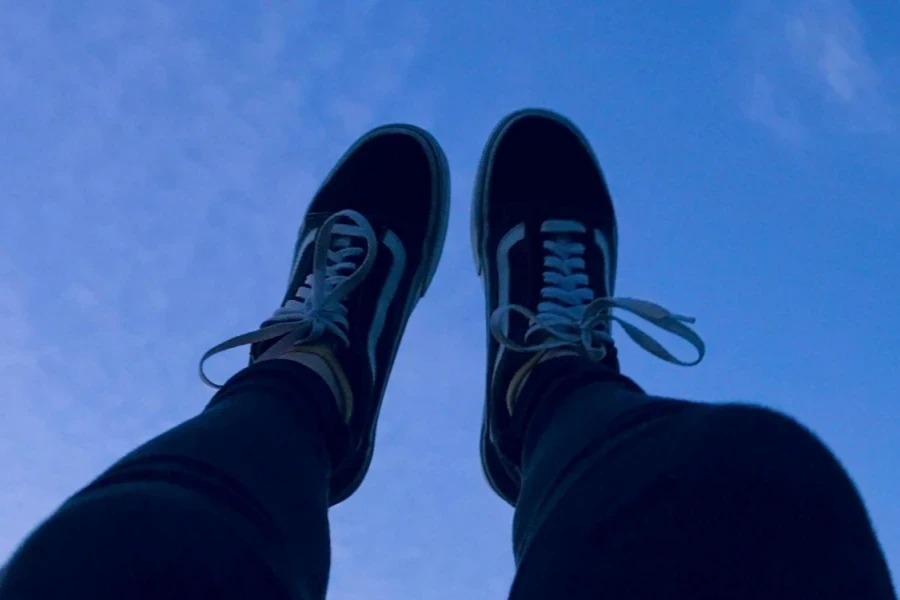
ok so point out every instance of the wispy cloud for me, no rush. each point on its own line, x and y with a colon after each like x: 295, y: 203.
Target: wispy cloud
x: 827, y: 42
x: 763, y: 105
x: 807, y: 66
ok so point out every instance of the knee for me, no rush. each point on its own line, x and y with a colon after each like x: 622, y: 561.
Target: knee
x: 761, y: 447
x: 754, y: 424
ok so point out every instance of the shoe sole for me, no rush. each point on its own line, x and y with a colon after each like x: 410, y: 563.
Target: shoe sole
x: 435, y: 237
x: 491, y: 463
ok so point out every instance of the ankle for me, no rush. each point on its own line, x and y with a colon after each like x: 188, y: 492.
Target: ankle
x: 321, y: 361
x: 517, y: 384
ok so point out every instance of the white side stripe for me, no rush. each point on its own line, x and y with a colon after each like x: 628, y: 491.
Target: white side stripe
x: 386, y: 296
x: 512, y: 237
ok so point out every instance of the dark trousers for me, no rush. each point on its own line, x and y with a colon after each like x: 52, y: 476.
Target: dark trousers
x: 624, y: 496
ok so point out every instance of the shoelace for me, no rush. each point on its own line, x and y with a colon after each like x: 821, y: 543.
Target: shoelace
x: 570, y: 317
x: 317, y: 307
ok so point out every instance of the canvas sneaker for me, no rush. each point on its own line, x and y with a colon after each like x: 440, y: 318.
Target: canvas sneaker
x: 366, y: 252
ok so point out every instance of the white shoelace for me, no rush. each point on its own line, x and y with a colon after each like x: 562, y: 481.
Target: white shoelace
x: 570, y: 317
x: 317, y: 307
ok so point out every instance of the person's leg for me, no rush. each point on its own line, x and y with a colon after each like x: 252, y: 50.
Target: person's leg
x: 233, y: 503
x: 626, y: 495
x: 230, y: 504
x: 619, y: 494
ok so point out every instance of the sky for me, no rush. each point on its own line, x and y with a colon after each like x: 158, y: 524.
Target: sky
x: 157, y: 157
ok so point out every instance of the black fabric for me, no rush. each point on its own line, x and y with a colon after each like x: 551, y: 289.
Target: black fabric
x: 624, y: 496
x: 632, y: 496
x: 230, y: 504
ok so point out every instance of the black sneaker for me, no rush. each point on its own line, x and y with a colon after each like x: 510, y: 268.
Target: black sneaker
x: 545, y: 245
x: 366, y: 253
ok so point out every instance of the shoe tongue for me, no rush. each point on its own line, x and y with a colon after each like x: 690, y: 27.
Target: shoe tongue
x: 327, y: 337
x: 541, y: 335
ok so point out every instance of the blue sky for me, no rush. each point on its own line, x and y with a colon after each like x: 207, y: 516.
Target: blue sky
x: 157, y: 157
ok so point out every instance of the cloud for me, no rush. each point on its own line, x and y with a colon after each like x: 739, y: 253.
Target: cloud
x: 807, y: 67
x: 763, y: 106
x: 829, y: 46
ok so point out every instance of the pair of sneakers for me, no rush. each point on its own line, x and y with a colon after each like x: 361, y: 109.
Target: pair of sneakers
x: 544, y: 241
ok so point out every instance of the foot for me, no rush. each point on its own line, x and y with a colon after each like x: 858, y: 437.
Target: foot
x: 366, y: 253
x: 545, y: 244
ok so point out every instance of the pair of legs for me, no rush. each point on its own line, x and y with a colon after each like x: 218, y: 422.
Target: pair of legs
x: 625, y: 496
x: 617, y: 493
